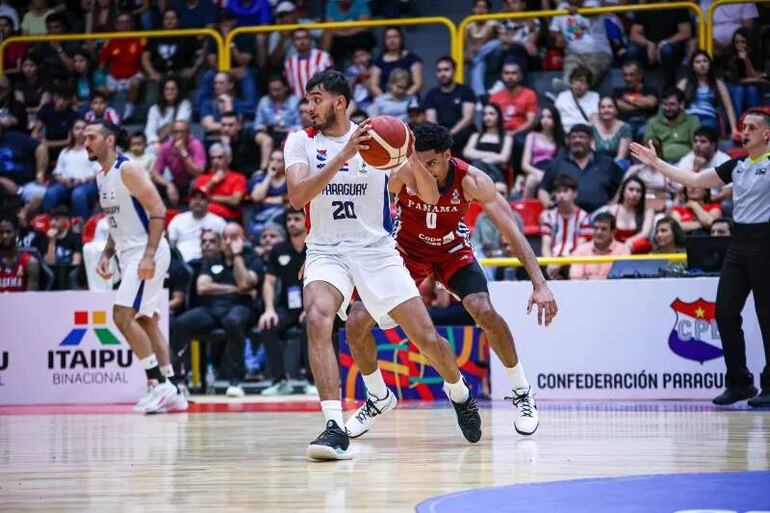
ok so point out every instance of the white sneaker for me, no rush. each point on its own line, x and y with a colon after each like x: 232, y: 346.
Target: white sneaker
x: 280, y: 388
x: 235, y: 391
x: 146, y: 398
x: 526, y: 418
x: 161, y: 394
x: 363, y: 420
x: 177, y: 403
x: 310, y: 389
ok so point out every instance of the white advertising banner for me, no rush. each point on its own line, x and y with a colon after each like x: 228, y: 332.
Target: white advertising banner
x: 63, y: 348
x: 622, y: 339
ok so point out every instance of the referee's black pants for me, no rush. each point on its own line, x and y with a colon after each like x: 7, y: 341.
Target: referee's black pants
x: 746, y: 269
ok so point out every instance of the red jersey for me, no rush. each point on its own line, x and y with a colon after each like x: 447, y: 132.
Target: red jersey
x: 13, y: 278
x: 426, y: 231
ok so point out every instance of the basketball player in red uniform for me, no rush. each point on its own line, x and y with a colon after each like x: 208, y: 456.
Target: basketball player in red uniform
x: 19, y: 270
x: 433, y: 240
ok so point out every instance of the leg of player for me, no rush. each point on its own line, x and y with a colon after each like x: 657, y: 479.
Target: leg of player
x: 413, y: 317
x: 363, y: 347
x: 158, y: 389
x: 499, y: 336
x: 160, y: 347
x: 321, y: 301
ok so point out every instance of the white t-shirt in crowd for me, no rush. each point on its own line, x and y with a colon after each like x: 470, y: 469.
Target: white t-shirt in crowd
x: 74, y: 163
x: 568, y: 109
x: 184, y: 232
x: 583, y: 34
x: 157, y: 119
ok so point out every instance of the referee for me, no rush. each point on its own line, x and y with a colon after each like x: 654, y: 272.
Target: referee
x: 747, y: 263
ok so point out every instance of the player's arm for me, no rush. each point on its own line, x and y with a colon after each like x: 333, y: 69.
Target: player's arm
x: 415, y: 175
x: 707, y: 179
x: 140, y: 186
x: 33, y: 274
x: 303, y: 186
x: 478, y: 186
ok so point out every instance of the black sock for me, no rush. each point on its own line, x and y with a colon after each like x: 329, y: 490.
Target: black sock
x: 156, y: 374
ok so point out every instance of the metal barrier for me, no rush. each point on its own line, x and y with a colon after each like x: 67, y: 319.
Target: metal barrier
x: 118, y: 35
x: 428, y: 20
x: 709, y: 21
x: 608, y: 259
x: 528, y: 15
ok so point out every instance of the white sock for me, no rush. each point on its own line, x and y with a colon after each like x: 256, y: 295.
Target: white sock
x: 375, y: 385
x: 517, y: 376
x: 148, y: 362
x: 333, y: 411
x: 457, y: 392
x: 167, y: 370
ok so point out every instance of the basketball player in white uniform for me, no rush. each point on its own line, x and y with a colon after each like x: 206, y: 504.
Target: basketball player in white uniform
x: 349, y: 246
x: 135, y: 215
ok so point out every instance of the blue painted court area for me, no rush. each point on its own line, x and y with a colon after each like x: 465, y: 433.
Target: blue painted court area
x: 718, y: 492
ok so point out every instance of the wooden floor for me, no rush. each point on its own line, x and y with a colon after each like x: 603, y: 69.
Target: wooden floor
x: 238, y: 461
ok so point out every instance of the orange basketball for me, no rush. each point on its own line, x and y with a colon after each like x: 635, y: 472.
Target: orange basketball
x: 390, y: 145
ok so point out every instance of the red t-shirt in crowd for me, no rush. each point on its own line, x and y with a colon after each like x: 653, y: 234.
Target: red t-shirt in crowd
x: 688, y: 215
x: 515, y: 107
x: 124, y: 57
x: 13, y: 53
x: 232, y: 184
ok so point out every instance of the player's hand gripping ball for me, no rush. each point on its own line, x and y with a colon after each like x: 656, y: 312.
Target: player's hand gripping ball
x: 390, y: 145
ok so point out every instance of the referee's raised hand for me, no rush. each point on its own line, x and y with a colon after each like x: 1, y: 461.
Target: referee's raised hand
x: 644, y: 154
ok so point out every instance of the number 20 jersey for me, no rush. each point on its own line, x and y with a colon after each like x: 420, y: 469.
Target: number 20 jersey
x: 426, y: 232
x: 353, y: 210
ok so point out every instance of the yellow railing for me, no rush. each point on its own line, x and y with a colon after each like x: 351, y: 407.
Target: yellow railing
x: 118, y: 35
x: 709, y: 21
x: 528, y: 15
x: 608, y: 259
x: 428, y: 20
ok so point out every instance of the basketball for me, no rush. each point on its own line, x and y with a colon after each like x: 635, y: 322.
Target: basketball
x: 390, y: 145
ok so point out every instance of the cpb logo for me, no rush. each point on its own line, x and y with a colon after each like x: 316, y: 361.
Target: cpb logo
x: 695, y: 335
x: 99, y: 320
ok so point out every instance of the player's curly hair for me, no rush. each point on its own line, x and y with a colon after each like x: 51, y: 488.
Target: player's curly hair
x: 432, y: 137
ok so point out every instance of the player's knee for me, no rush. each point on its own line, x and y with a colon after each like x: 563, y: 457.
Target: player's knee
x: 123, y: 317
x: 427, y: 339
x: 357, y: 328
x: 480, y: 308
x: 319, y: 323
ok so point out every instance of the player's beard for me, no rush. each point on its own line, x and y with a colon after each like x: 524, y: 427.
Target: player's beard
x: 329, y: 120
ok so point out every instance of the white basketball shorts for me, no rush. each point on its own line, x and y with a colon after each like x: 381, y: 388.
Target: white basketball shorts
x: 144, y: 296
x: 378, y: 275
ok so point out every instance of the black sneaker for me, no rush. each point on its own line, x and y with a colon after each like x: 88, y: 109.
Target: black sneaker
x: 332, y: 444
x: 468, y: 418
x: 732, y: 395
x: 762, y: 400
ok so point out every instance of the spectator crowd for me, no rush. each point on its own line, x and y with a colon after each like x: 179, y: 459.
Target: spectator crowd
x: 548, y: 112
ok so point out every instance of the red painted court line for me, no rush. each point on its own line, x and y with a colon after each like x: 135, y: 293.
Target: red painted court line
x: 224, y: 407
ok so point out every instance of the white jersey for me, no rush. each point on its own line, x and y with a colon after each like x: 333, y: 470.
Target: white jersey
x: 128, y: 221
x: 353, y: 210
